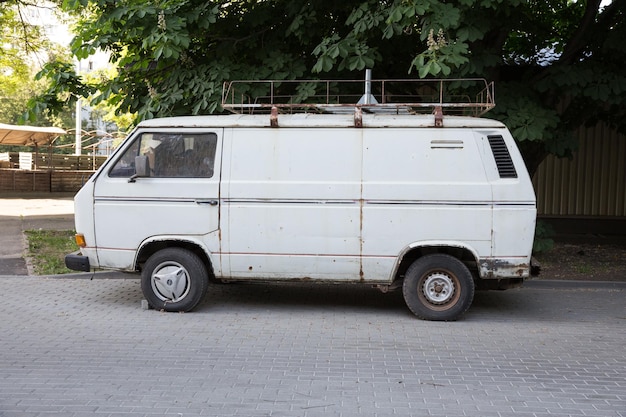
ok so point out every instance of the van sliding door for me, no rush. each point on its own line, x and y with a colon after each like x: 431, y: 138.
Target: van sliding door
x: 292, y: 203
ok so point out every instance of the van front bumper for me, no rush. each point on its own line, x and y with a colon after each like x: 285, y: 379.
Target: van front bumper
x: 77, y: 262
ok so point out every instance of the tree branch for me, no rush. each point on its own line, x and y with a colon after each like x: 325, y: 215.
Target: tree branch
x: 577, y: 41
x: 610, y: 12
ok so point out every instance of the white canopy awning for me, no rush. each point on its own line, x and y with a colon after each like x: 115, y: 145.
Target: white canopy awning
x: 28, y: 135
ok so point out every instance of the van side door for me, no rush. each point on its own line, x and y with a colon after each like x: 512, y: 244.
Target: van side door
x: 292, y: 203
x: 178, y: 198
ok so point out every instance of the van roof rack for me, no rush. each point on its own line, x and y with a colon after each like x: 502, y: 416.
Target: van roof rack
x: 460, y: 96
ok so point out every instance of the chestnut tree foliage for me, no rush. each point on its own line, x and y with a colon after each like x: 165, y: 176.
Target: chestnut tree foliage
x: 24, y: 47
x: 18, y: 39
x: 557, y: 64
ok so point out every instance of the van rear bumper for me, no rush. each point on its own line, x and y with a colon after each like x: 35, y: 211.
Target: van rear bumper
x: 77, y: 262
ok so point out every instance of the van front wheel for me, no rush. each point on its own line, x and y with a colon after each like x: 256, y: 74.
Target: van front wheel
x: 174, y: 279
x: 438, y: 287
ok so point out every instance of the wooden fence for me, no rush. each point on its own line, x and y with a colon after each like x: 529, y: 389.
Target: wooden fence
x: 16, y: 180
x: 46, y: 161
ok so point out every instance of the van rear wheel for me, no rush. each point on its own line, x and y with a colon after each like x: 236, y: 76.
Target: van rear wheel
x: 438, y: 287
x: 174, y: 279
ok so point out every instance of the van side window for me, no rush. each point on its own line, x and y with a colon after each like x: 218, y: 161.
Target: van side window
x: 125, y: 167
x: 171, y: 155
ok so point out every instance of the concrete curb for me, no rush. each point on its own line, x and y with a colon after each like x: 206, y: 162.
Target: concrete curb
x: 82, y: 275
x: 556, y: 284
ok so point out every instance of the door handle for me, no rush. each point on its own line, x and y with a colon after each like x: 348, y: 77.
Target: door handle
x: 209, y: 202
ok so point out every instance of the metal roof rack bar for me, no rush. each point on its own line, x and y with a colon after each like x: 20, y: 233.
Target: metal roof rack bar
x: 464, y: 96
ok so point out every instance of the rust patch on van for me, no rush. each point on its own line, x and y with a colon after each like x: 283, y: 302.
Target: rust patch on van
x: 438, y: 116
x: 358, y: 117
x: 496, y: 268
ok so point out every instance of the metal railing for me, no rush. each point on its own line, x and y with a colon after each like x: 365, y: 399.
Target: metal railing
x: 467, y: 96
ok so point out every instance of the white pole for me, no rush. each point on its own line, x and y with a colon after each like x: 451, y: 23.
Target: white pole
x: 78, y: 143
x: 367, y: 98
x: 368, y: 86
x: 78, y: 129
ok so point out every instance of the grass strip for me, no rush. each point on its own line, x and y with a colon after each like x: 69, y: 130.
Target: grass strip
x: 47, y: 250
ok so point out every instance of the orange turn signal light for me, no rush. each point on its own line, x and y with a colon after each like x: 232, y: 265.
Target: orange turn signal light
x: 80, y: 240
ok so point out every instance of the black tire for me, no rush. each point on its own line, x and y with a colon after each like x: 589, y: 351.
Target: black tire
x: 174, y: 279
x: 438, y: 287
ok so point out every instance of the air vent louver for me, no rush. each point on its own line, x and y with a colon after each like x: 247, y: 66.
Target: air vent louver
x: 506, y: 169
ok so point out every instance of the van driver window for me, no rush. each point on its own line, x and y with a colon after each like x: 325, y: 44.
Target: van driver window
x: 171, y: 155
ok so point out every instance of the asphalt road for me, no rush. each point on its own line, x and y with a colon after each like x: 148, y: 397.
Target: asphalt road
x: 79, y: 347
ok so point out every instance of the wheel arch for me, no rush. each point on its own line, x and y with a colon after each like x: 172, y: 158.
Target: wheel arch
x: 152, y: 246
x: 416, y: 251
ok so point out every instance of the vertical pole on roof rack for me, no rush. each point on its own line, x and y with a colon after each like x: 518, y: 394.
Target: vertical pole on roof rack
x: 440, y: 91
x: 327, y: 92
x: 439, y: 109
x: 368, y: 86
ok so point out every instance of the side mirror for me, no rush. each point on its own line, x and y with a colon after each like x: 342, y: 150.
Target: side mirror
x: 142, y: 168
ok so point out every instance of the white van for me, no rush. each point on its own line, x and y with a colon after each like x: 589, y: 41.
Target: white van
x: 383, y: 199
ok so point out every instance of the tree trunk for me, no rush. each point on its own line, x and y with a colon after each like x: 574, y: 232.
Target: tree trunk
x: 533, y: 153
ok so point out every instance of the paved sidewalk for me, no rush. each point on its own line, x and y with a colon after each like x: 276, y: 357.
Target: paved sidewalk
x: 74, y: 348
x: 28, y: 211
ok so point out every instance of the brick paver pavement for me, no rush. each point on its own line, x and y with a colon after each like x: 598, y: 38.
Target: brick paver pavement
x: 76, y: 347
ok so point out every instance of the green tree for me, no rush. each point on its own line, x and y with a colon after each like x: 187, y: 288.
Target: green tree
x: 22, y: 48
x: 557, y: 64
x: 15, y: 74
x: 16, y: 87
